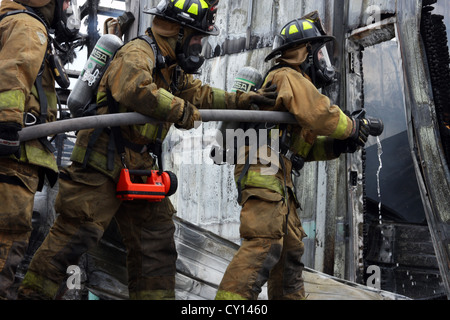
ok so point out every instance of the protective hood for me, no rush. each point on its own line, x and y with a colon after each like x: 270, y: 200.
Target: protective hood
x: 166, y: 35
x: 294, y: 57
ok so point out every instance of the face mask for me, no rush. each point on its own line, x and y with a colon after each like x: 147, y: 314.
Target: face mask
x: 189, y: 56
x: 73, y: 16
x: 318, y: 67
x: 68, y: 24
x: 325, y: 72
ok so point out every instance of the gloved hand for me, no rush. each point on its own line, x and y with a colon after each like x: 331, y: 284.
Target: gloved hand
x: 190, y: 116
x: 360, y: 132
x: 344, y: 146
x: 263, y: 97
x: 9, y: 139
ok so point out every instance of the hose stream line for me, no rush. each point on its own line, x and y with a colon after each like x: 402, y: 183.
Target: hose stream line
x: 131, y: 118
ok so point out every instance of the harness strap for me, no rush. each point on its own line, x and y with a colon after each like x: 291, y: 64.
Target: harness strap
x: 117, y: 143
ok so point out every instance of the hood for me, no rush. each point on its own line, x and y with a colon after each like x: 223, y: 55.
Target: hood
x: 294, y: 57
x: 166, y: 35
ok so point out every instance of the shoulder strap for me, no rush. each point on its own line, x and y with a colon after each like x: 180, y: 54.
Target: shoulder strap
x: 160, y: 60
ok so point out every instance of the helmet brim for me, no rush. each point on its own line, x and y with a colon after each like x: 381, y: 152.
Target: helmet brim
x: 155, y: 12
x: 280, y: 50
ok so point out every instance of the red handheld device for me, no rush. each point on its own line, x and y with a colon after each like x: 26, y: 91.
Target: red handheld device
x: 158, y: 185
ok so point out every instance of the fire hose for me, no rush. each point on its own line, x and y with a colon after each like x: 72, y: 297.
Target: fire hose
x: 130, y: 118
x: 125, y: 119
x: 159, y: 184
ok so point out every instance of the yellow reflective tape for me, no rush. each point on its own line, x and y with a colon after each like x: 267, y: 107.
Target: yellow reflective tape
x: 14, y: 99
x: 180, y: 4
x: 219, y: 99
x: 320, y: 150
x: 255, y: 179
x: 283, y: 32
x: 204, y: 4
x: 342, y: 126
x: 164, y: 104
x: 193, y: 9
x: 38, y: 155
x: 293, y: 29
x: 307, y: 25
x: 301, y: 147
x: 40, y: 285
x: 226, y: 295
x: 97, y: 160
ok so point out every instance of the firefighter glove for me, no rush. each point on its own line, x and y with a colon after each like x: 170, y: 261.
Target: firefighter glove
x: 344, y: 146
x: 190, y: 118
x: 9, y: 139
x: 360, y: 132
x: 263, y: 97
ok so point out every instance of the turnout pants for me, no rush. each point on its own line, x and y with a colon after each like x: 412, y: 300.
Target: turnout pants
x: 86, y: 203
x: 271, y: 250
x: 18, y: 185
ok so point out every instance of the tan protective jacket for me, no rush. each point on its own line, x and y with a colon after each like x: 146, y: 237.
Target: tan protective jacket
x: 23, y: 44
x: 137, y: 87
x: 319, y: 123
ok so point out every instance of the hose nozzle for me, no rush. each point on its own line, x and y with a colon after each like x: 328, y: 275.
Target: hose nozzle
x: 376, y: 126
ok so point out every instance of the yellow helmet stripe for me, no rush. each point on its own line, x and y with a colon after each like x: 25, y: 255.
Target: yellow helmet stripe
x: 293, y: 29
x: 307, y: 25
x: 193, y: 9
x: 180, y: 4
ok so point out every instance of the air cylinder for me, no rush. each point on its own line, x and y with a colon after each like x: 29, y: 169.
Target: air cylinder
x: 248, y: 79
x: 86, y: 86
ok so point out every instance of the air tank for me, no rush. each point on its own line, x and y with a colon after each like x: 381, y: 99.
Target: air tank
x: 248, y: 79
x: 86, y: 86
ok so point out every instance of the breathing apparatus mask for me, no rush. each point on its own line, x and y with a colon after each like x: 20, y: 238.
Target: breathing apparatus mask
x: 189, y: 53
x: 66, y: 22
x: 318, y: 66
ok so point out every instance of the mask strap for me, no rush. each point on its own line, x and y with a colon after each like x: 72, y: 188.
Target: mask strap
x: 179, y: 46
x: 309, y: 63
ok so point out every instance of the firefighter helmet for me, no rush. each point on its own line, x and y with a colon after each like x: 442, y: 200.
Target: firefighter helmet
x: 199, y: 15
x: 307, y: 29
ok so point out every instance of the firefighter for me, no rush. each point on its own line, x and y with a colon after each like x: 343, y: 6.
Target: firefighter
x: 152, y: 75
x: 27, y: 97
x: 271, y: 230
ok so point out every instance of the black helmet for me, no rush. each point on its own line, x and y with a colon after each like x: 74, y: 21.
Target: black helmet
x: 199, y: 15
x: 307, y: 29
